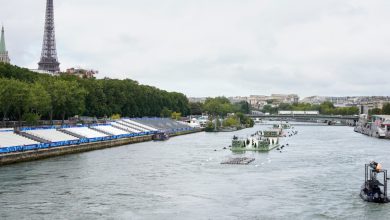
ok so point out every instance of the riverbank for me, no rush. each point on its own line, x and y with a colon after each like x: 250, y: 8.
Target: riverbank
x: 39, y: 154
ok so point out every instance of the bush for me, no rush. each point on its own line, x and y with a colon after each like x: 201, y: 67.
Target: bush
x: 231, y: 121
x: 166, y: 113
x: 176, y: 115
x: 31, y: 118
x: 115, y: 116
x: 209, y: 127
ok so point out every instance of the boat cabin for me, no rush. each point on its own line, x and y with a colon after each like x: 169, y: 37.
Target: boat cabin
x: 382, y: 121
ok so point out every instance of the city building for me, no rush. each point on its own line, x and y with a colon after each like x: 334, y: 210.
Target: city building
x: 196, y: 99
x: 364, y: 103
x: 237, y: 99
x: 44, y: 72
x: 257, y: 101
x: 282, y: 98
x: 314, y: 100
x: 4, y: 58
x: 82, y: 73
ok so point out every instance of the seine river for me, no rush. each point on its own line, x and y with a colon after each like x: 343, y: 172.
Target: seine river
x: 318, y: 176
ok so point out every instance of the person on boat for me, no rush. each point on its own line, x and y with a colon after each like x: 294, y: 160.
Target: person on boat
x: 376, y: 166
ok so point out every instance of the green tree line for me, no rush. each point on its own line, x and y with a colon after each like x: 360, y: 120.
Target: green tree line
x: 385, y: 110
x: 25, y: 95
x: 219, y: 106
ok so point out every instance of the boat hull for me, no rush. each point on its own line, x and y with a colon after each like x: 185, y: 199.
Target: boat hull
x: 239, y: 149
x: 371, y: 197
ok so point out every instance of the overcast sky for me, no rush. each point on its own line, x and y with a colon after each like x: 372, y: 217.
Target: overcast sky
x: 215, y: 47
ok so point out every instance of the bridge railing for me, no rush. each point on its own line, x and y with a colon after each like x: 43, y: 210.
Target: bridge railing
x: 341, y: 117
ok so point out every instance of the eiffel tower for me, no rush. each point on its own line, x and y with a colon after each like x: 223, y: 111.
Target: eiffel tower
x: 49, y: 61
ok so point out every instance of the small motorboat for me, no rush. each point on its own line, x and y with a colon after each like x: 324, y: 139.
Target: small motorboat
x: 373, y: 190
x: 162, y: 136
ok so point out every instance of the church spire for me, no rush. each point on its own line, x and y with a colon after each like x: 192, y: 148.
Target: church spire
x: 2, y: 41
x: 3, y: 50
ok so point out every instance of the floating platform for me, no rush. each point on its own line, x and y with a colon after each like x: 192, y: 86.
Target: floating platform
x: 239, y: 161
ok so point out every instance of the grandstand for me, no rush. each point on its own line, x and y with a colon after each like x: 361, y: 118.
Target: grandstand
x: 42, y: 138
x: 85, y: 132
x: 10, y: 139
x: 162, y: 124
x: 125, y: 127
x: 51, y: 135
x: 140, y: 125
x: 110, y: 130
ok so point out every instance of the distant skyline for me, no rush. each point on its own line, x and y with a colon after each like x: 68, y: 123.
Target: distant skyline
x: 214, y: 48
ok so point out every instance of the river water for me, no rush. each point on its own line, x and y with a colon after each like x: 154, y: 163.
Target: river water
x: 318, y: 176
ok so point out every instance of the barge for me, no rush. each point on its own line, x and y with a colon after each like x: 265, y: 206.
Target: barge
x: 376, y: 126
x: 260, y: 141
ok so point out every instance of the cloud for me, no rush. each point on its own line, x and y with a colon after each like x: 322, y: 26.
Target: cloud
x: 210, y: 48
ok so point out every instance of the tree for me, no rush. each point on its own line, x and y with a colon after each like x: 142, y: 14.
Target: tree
x: 375, y: 111
x: 218, y: 106
x: 4, y: 104
x: 115, y: 116
x: 39, y: 101
x: 270, y: 109
x: 196, y: 108
x: 67, y: 98
x: 213, y: 107
x: 231, y: 121
x: 243, y: 107
x: 92, y: 97
x: 96, y: 98
x: 286, y: 106
x: 176, y: 115
x: 386, y: 109
x: 166, y: 113
x: 14, y: 96
x: 326, y: 108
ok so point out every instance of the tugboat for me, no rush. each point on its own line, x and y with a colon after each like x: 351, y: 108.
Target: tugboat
x: 372, y: 190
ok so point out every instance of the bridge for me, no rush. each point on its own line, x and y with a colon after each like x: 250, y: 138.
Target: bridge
x: 346, y: 119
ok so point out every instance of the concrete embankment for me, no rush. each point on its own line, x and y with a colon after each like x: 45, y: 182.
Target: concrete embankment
x: 18, y: 157
x: 25, y: 156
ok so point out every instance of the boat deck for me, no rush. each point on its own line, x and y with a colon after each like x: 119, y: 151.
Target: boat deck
x: 239, y: 149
